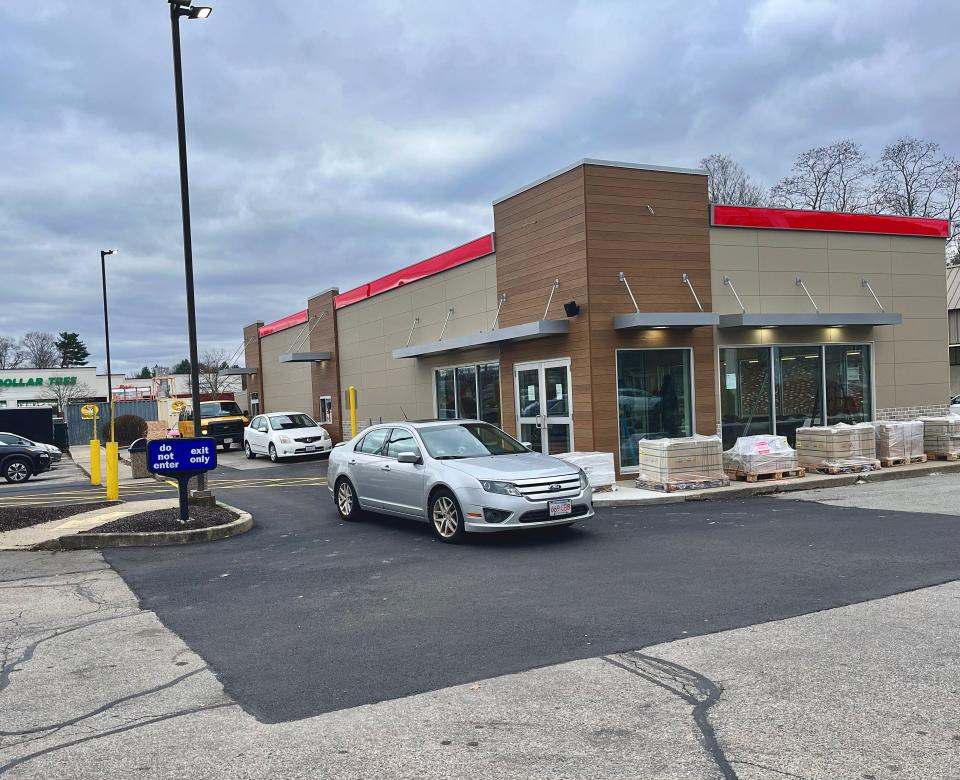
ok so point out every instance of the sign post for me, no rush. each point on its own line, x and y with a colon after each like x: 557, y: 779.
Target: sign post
x: 182, y: 459
x: 92, y: 412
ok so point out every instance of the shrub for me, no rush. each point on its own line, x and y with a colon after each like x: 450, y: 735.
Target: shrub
x: 128, y: 428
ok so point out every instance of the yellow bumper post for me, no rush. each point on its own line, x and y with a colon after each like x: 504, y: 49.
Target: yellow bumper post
x: 94, y: 461
x: 353, y: 410
x: 113, y: 471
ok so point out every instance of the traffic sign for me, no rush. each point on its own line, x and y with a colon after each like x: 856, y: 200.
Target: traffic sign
x: 182, y: 459
x: 89, y: 411
x: 178, y: 405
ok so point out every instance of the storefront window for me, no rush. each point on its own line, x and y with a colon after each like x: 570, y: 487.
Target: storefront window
x: 799, y: 389
x: 446, y: 394
x: 847, y: 369
x: 654, y: 397
x: 746, y: 405
x: 469, y: 392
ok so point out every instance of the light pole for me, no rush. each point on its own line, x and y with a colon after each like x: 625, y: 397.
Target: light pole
x: 113, y: 466
x: 178, y: 9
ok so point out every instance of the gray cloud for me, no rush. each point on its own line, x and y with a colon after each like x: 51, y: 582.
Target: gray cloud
x: 331, y: 143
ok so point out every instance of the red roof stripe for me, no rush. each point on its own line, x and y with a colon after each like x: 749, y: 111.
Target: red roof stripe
x: 282, y: 324
x: 472, y: 250
x: 830, y: 221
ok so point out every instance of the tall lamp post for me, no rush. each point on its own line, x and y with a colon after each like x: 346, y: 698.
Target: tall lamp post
x: 179, y: 9
x: 113, y: 466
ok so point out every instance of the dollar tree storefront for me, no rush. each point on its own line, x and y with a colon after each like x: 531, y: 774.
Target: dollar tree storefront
x: 28, y: 387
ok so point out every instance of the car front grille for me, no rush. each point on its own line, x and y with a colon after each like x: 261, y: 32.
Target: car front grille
x: 545, y: 488
x: 229, y: 428
x: 542, y: 515
x: 310, y: 439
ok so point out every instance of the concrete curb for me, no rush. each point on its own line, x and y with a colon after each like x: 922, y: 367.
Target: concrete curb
x: 242, y: 524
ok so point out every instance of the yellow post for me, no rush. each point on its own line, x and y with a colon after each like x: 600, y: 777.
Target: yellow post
x: 113, y: 471
x: 94, y: 461
x: 353, y: 410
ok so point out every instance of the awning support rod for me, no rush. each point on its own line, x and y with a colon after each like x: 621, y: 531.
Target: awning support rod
x: 626, y: 284
x: 444, y: 328
x: 496, y: 320
x: 728, y: 282
x: 801, y: 284
x: 416, y: 321
x: 299, y: 341
x: 865, y: 283
x: 553, y: 289
x: 686, y: 280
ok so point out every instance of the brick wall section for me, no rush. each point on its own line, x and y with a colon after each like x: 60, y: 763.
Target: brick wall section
x: 251, y: 356
x: 912, y: 412
x: 325, y: 376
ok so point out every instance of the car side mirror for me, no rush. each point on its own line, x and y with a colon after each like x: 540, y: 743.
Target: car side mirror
x: 408, y: 457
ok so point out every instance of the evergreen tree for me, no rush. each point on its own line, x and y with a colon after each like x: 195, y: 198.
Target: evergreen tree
x: 73, y: 352
x: 145, y: 373
x: 183, y: 367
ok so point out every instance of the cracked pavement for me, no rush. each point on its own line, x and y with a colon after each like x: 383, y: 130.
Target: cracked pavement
x: 92, y: 686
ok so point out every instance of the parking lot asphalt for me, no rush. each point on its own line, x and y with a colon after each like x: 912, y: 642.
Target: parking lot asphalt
x: 306, y: 614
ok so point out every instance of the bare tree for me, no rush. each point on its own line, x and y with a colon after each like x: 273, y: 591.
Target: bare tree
x: 911, y: 177
x: 10, y: 354
x: 729, y: 183
x: 212, y: 362
x: 832, y: 178
x: 62, y: 394
x: 40, y: 350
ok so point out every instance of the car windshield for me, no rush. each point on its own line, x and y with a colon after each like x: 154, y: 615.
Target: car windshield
x: 284, y: 422
x: 220, y: 409
x: 468, y: 440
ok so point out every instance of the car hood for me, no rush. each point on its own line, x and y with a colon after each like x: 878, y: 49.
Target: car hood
x: 527, y: 465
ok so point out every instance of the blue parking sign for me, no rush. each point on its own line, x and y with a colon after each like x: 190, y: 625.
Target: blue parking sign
x: 176, y: 456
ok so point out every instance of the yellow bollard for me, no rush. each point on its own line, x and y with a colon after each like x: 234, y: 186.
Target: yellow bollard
x: 113, y: 471
x: 352, y: 392
x: 94, y: 461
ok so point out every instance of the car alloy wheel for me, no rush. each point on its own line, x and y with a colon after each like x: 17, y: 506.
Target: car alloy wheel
x: 248, y: 451
x: 273, y: 454
x: 346, y: 500
x: 17, y: 471
x: 445, y: 518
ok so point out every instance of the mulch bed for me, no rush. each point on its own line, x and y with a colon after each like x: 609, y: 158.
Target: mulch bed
x: 167, y: 520
x: 14, y: 517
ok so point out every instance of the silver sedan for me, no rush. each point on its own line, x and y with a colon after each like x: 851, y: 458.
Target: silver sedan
x: 460, y: 476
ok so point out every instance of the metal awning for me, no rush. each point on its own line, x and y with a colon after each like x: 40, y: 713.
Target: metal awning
x: 525, y: 332
x: 305, y: 357
x: 664, y: 319
x: 821, y: 319
x: 237, y: 371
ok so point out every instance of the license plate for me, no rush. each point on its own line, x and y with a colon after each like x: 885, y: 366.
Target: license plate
x: 309, y: 448
x: 560, y: 508
x: 228, y: 441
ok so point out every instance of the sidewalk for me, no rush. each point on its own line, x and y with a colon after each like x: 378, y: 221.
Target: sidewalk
x: 27, y: 538
x: 81, y: 456
x: 628, y: 495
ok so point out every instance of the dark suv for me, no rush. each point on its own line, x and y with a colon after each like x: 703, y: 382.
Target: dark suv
x: 21, y: 459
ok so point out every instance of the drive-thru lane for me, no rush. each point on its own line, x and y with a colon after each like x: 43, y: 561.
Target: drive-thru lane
x: 306, y: 614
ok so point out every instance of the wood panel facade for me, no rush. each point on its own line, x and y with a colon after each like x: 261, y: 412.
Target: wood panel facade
x: 584, y: 227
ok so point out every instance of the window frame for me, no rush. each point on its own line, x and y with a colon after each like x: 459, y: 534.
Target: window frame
x: 476, y: 365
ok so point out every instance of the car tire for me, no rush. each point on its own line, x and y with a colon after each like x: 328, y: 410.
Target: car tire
x: 17, y: 470
x: 273, y: 454
x: 445, y: 517
x: 345, y: 498
x: 248, y: 451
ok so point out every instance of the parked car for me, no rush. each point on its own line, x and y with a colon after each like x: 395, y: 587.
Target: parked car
x: 55, y: 454
x: 955, y: 405
x: 222, y: 421
x: 21, y: 459
x: 284, y: 435
x: 462, y: 476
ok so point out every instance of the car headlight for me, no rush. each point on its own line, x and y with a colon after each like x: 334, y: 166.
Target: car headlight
x: 504, y: 488
x: 584, y: 482
x: 203, y: 430
x: 286, y: 440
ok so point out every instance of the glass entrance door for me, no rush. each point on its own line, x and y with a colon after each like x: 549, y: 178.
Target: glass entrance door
x: 544, y: 408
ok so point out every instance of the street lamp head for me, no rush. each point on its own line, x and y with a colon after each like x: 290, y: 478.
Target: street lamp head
x: 200, y: 12
x: 111, y: 251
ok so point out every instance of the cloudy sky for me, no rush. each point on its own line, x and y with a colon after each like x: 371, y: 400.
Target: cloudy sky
x: 333, y: 142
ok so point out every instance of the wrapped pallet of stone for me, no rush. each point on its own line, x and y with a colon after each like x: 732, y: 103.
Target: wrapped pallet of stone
x: 941, y: 437
x: 899, y: 442
x: 754, y: 456
x: 686, y: 463
x: 838, y: 448
x: 598, y: 467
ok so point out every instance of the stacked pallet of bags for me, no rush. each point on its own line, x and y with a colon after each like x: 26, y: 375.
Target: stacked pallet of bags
x: 941, y: 437
x: 598, y: 467
x: 899, y: 442
x: 687, y: 463
x: 838, y: 448
x: 754, y: 456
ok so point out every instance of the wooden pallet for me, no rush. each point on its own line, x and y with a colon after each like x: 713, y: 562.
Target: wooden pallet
x: 887, y: 462
x: 673, y: 487
x: 746, y: 476
x: 944, y: 456
x: 854, y: 469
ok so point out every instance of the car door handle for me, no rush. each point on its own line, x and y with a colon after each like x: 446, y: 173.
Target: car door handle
x: 385, y: 468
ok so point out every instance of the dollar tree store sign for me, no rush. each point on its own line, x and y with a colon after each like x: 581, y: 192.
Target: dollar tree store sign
x: 35, y: 382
